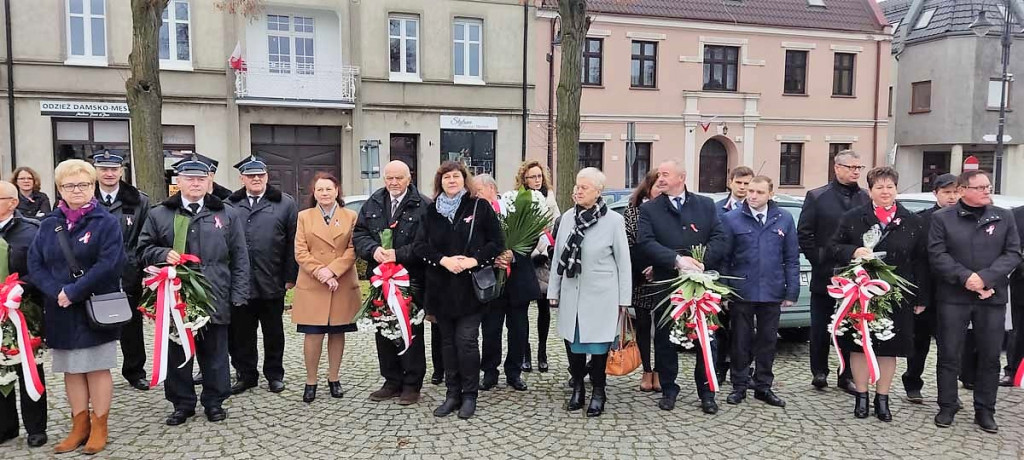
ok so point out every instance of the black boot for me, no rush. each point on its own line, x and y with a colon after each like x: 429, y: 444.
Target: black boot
x: 451, y: 402
x: 882, y: 408
x: 579, y: 395
x: 860, y: 407
x: 597, y: 400
x: 468, y: 406
x: 527, y: 367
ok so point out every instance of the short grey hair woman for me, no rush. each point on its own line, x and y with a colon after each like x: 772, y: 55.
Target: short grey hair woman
x: 592, y: 285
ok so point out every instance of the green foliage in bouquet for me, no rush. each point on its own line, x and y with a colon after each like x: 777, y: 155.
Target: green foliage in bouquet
x: 899, y: 287
x: 524, y: 223
x: 692, y: 285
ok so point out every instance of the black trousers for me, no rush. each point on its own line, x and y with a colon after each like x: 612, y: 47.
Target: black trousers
x: 666, y: 360
x: 33, y: 413
x: 516, y: 320
x: 578, y: 366
x: 924, y: 330
x: 724, y: 338
x: 988, y: 332
x: 264, y: 314
x: 436, y: 355
x: 405, y: 370
x: 543, y: 328
x: 133, y: 346
x: 212, y: 353
x: 822, y: 308
x: 459, y: 340
x: 969, y: 358
x: 643, y: 325
x: 755, y: 329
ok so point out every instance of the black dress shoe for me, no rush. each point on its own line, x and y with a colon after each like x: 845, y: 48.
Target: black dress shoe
x: 240, y: 386
x: 450, y: 404
x: 820, y: 381
x: 275, y: 386
x: 179, y: 416
x: 860, y: 405
x: 36, y: 440
x: 986, y: 421
x: 216, y: 414
x: 309, y: 393
x: 736, y: 397
x: 436, y: 378
x: 335, y: 387
x: 542, y: 366
x: 527, y: 367
x: 489, y: 381
x: 667, y: 402
x: 968, y: 385
x: 578, y: 396
x: 847, y: 386
x: 542, y: 360
x: 1006, y: 381
x: 944, y: 419
x: 915, y: 396
x: 517, y: 384
x: 197, y: 379
x: 708, y: 405
x: 770, y: 398
x: 597, y: 400
x: 882, y: 408
x: 468, y: 407
x: 139, y: 384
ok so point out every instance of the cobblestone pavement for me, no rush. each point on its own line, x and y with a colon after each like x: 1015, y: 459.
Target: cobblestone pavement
x: 532, y: 424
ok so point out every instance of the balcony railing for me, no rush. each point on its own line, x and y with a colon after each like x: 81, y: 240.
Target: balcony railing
x: 280, y: 83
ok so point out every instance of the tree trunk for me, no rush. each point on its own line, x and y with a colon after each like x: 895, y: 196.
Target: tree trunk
x: 574, y: 24
x: 145, y: 98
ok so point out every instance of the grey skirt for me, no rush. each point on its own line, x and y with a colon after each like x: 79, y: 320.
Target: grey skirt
x: 82, y: 360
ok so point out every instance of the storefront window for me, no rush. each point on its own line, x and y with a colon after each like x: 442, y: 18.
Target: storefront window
x: 80, y: 139
x: 179, y: 141
x: 475, y: 149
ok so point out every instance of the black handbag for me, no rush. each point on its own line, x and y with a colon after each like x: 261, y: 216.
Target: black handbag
x: 105, y: 311
x: 485, y: 283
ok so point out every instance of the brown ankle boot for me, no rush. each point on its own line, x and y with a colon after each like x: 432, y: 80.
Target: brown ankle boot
x: 80, y: 429
x: 98, y: 435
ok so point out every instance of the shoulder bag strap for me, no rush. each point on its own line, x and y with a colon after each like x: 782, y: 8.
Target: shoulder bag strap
x: 472, y: 223
x: 69, y: 256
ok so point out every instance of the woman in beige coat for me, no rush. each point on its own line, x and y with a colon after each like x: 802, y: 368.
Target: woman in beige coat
x: 327, y: 290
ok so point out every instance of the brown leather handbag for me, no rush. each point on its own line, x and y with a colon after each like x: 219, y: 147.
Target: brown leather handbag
x: 626, y: 358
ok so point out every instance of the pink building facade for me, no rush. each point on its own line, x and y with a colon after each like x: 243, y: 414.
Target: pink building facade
x: 778, y: 98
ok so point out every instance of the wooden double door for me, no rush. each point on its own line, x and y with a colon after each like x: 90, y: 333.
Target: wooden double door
x: 294, y: 154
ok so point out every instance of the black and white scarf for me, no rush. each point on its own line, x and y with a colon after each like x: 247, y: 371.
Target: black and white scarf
x: 569, y: 263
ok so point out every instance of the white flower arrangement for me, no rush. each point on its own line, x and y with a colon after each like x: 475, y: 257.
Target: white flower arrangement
x: 508, y: 200
x: 195, y: 326
x: 880, y: 328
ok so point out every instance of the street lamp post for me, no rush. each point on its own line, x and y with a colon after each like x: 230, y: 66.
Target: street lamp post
x: 981, y: 27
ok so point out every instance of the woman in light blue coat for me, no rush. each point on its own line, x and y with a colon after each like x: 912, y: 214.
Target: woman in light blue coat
x: 591, y: 285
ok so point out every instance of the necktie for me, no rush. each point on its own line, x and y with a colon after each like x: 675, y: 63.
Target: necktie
x: 194, y: 207
x: 760, y: 219
x: 253, y: 201
x: 679, y: 204
x: 109, y: 201
x: 394, y: 207
x: 327, y: 219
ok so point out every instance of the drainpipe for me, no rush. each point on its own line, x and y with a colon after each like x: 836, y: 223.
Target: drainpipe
x: 551, y: 98
x: 10, y: 82
x: 874, y: 114
x: 526, y: 50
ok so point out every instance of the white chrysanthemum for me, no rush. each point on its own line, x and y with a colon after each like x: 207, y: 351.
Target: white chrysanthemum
x: 418, y: 318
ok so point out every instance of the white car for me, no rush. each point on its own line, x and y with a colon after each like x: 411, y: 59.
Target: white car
x: 918, y: 201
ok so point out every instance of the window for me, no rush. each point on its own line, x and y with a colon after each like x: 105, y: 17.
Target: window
x: 924, y: 19
x: 282, y: 33
x: 833, y: 150
x: 473, y: 148
x: 842, y: 76
x: 720, y: 67
x: 921, y: 97
x: 890, y: 101
x: 468, y: 49
x: 641, y: 164
x: 995, y: 93
x: 644, y: 66
x: 404, y: 44
x: 796, y: 72
x: 179, y: 141
x: 592, y: 50
x: 820, y: 3
x: 591, y: 155
x: 87, y: 40
x: 81, y: 138
x: 179, y: 50
x: 790, y: 161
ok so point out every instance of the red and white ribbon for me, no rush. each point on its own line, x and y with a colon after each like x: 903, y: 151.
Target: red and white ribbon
x: 850, y: 292
x: 169, y: 308
x: 10, y: 295
x: 699, y: 308
x: 390, y: 277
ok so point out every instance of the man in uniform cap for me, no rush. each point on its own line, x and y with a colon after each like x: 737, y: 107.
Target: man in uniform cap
x: 130, y: 206
x: 217, y: 236
x: 269, y: 217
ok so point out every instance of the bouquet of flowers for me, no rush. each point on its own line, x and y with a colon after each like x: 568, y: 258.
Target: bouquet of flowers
x: 694, y: 303
x: 389, y: 308
x: 526, y: 218
x: 867, y: 290
x: 20, y: 329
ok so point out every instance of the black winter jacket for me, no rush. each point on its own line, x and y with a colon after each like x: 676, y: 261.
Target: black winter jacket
x: 270, y: 236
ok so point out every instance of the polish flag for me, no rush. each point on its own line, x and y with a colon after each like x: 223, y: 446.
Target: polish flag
x: 235, y: 61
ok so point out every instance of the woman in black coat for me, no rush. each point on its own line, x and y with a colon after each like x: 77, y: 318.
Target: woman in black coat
x: 33, y: 203
x: 458, y: 234
x: 905, y: 243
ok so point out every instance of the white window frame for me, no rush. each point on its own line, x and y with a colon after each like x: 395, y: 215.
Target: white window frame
x: 403, y: 41
x: 173, y: 63
x: 924, y: 19
x: 87, y: 59
x: 291, y: 36
x: 466, y: 24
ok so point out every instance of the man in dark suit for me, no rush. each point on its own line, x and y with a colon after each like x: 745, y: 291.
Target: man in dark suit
x: 739, y: 180
x: 131, y: 206
x: 819, y: 218
x: 973, y: 247
x: 270, y: 219
x: 946, y: 195
x: 669, y: 227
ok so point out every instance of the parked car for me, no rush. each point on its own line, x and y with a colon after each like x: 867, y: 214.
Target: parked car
x: 918, y: 201
x: 355, y: 202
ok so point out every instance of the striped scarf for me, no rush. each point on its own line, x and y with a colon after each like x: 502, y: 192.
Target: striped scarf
x: 569, y: 263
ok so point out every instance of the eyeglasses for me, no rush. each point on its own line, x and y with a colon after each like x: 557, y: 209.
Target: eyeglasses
x: 851, y: 168
x: 81, y: 186
x: 980, y: 188
x: 535, y: 177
